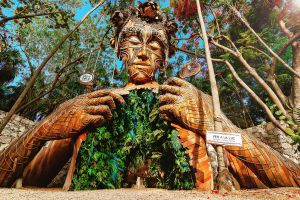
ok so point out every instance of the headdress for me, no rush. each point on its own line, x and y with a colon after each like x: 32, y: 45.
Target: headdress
x: 145, y: 13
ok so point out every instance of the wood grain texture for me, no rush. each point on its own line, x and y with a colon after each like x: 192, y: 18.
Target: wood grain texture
x: 256, y: 165
x: 199, y: 160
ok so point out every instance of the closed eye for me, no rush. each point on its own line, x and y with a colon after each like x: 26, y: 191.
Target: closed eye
x: 154, y: 45
x: 134, y: 40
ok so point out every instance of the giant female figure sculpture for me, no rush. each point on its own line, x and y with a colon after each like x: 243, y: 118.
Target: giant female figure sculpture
x: 142, y: 41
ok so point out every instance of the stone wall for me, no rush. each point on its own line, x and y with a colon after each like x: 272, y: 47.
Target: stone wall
x: 15, y: 128
x: 276, y: 139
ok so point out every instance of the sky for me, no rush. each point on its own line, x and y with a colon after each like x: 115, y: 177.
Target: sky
x: 84, y: 9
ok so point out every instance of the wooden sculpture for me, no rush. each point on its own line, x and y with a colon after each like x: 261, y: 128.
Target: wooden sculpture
x: 143, y: 43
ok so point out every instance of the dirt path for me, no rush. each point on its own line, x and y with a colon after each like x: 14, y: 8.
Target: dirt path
x: 147, y: 194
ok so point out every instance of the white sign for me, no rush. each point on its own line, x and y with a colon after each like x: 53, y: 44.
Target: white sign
x: 86, y: 78
x: 224, y: 138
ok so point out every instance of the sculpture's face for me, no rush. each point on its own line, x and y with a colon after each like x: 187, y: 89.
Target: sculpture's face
x: 142, y: 49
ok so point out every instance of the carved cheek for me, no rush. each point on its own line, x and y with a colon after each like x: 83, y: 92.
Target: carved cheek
x: 157, y: 60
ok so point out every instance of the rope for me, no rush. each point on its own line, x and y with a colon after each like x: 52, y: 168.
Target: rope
x: 113, y: 72
x: 97, y: 58
x: 87, y: 62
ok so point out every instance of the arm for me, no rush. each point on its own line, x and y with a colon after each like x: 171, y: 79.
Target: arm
x: 18, y: 155
x: 48, y: 163
x: 70, y: 119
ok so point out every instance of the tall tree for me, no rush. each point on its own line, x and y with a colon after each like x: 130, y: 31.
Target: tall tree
x: 39, y: 69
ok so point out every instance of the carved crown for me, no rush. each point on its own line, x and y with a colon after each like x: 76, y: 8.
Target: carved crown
x: 146, y: 13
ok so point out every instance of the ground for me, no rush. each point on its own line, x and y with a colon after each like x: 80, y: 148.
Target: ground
x: 148, y: 194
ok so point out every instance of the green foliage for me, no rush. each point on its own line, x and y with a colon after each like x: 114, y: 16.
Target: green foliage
x: 136, y: 136
x: 25, y: 11
x: 9, y: 62
x: 292, y: 129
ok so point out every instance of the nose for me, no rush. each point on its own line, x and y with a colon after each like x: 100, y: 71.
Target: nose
x: 143, y: 54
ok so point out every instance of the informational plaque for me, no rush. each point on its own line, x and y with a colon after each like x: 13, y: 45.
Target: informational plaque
x: 86, y: 79
x: 224, y: 138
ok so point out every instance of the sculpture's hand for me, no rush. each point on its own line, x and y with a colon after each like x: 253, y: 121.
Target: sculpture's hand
x: 179, y: 101
x: 78, y: 114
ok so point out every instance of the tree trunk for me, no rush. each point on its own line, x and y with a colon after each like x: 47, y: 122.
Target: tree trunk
x: 296, y: 81
x: 263, y: 84
x: 38, y: 71
x: 215, y: 97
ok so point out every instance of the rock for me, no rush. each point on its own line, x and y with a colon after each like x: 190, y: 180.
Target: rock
x: 17, y: 118
x: 254, y: 129
x: 31, y: 123
x: 286, y: 146
x: 5, y: 139
x: 6, y: 132
x: 24, y: 121
x: 273, y: 141
x: 3, y: 146
x: 13, y: 134
x: 269, y: 127
x: 276, y: 146
x: 22, y: 129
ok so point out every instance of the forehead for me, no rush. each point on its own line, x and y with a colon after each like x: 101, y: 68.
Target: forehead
x: 144, y: 31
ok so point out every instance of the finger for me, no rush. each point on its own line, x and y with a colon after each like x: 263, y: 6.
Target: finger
x: 117, y: 97
x: 163, y: 89
x: 96, y: 120
x: 166, y: 112
x: 103, y: 110
x: 166, y: 109
x: 176, y: 82
x: 107, y: 100
x: 167, y: 99
x: 99, y: 93
x: 164, y: 116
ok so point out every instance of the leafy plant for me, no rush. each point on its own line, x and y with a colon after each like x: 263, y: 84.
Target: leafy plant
x: 136, y: 138
x: 292, y: 129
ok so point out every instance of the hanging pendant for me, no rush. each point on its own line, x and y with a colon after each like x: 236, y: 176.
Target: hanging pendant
x: 87, y: 79
x: 190, y: 69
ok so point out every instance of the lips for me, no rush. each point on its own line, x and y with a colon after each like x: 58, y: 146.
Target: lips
x: 138, y: 68
x: 142, y: 64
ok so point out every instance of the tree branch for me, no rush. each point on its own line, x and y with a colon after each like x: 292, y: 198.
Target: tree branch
x: 255, y: 75
x: 284, y: 29
x: 56, y: 79
x: 191, y: 36
x: 29, y: 61
x: 40, y: 68
x: 217, y: 23
x: 260, y: 51
x: 53, y: 87
x: 246, y: 23
x: 223, y: 47
x: 3, y: 21
x: 283, y: 48
x: 271, y: 79
x: 190, y: 52
x: 230, y: 41
x: 252, y: 93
